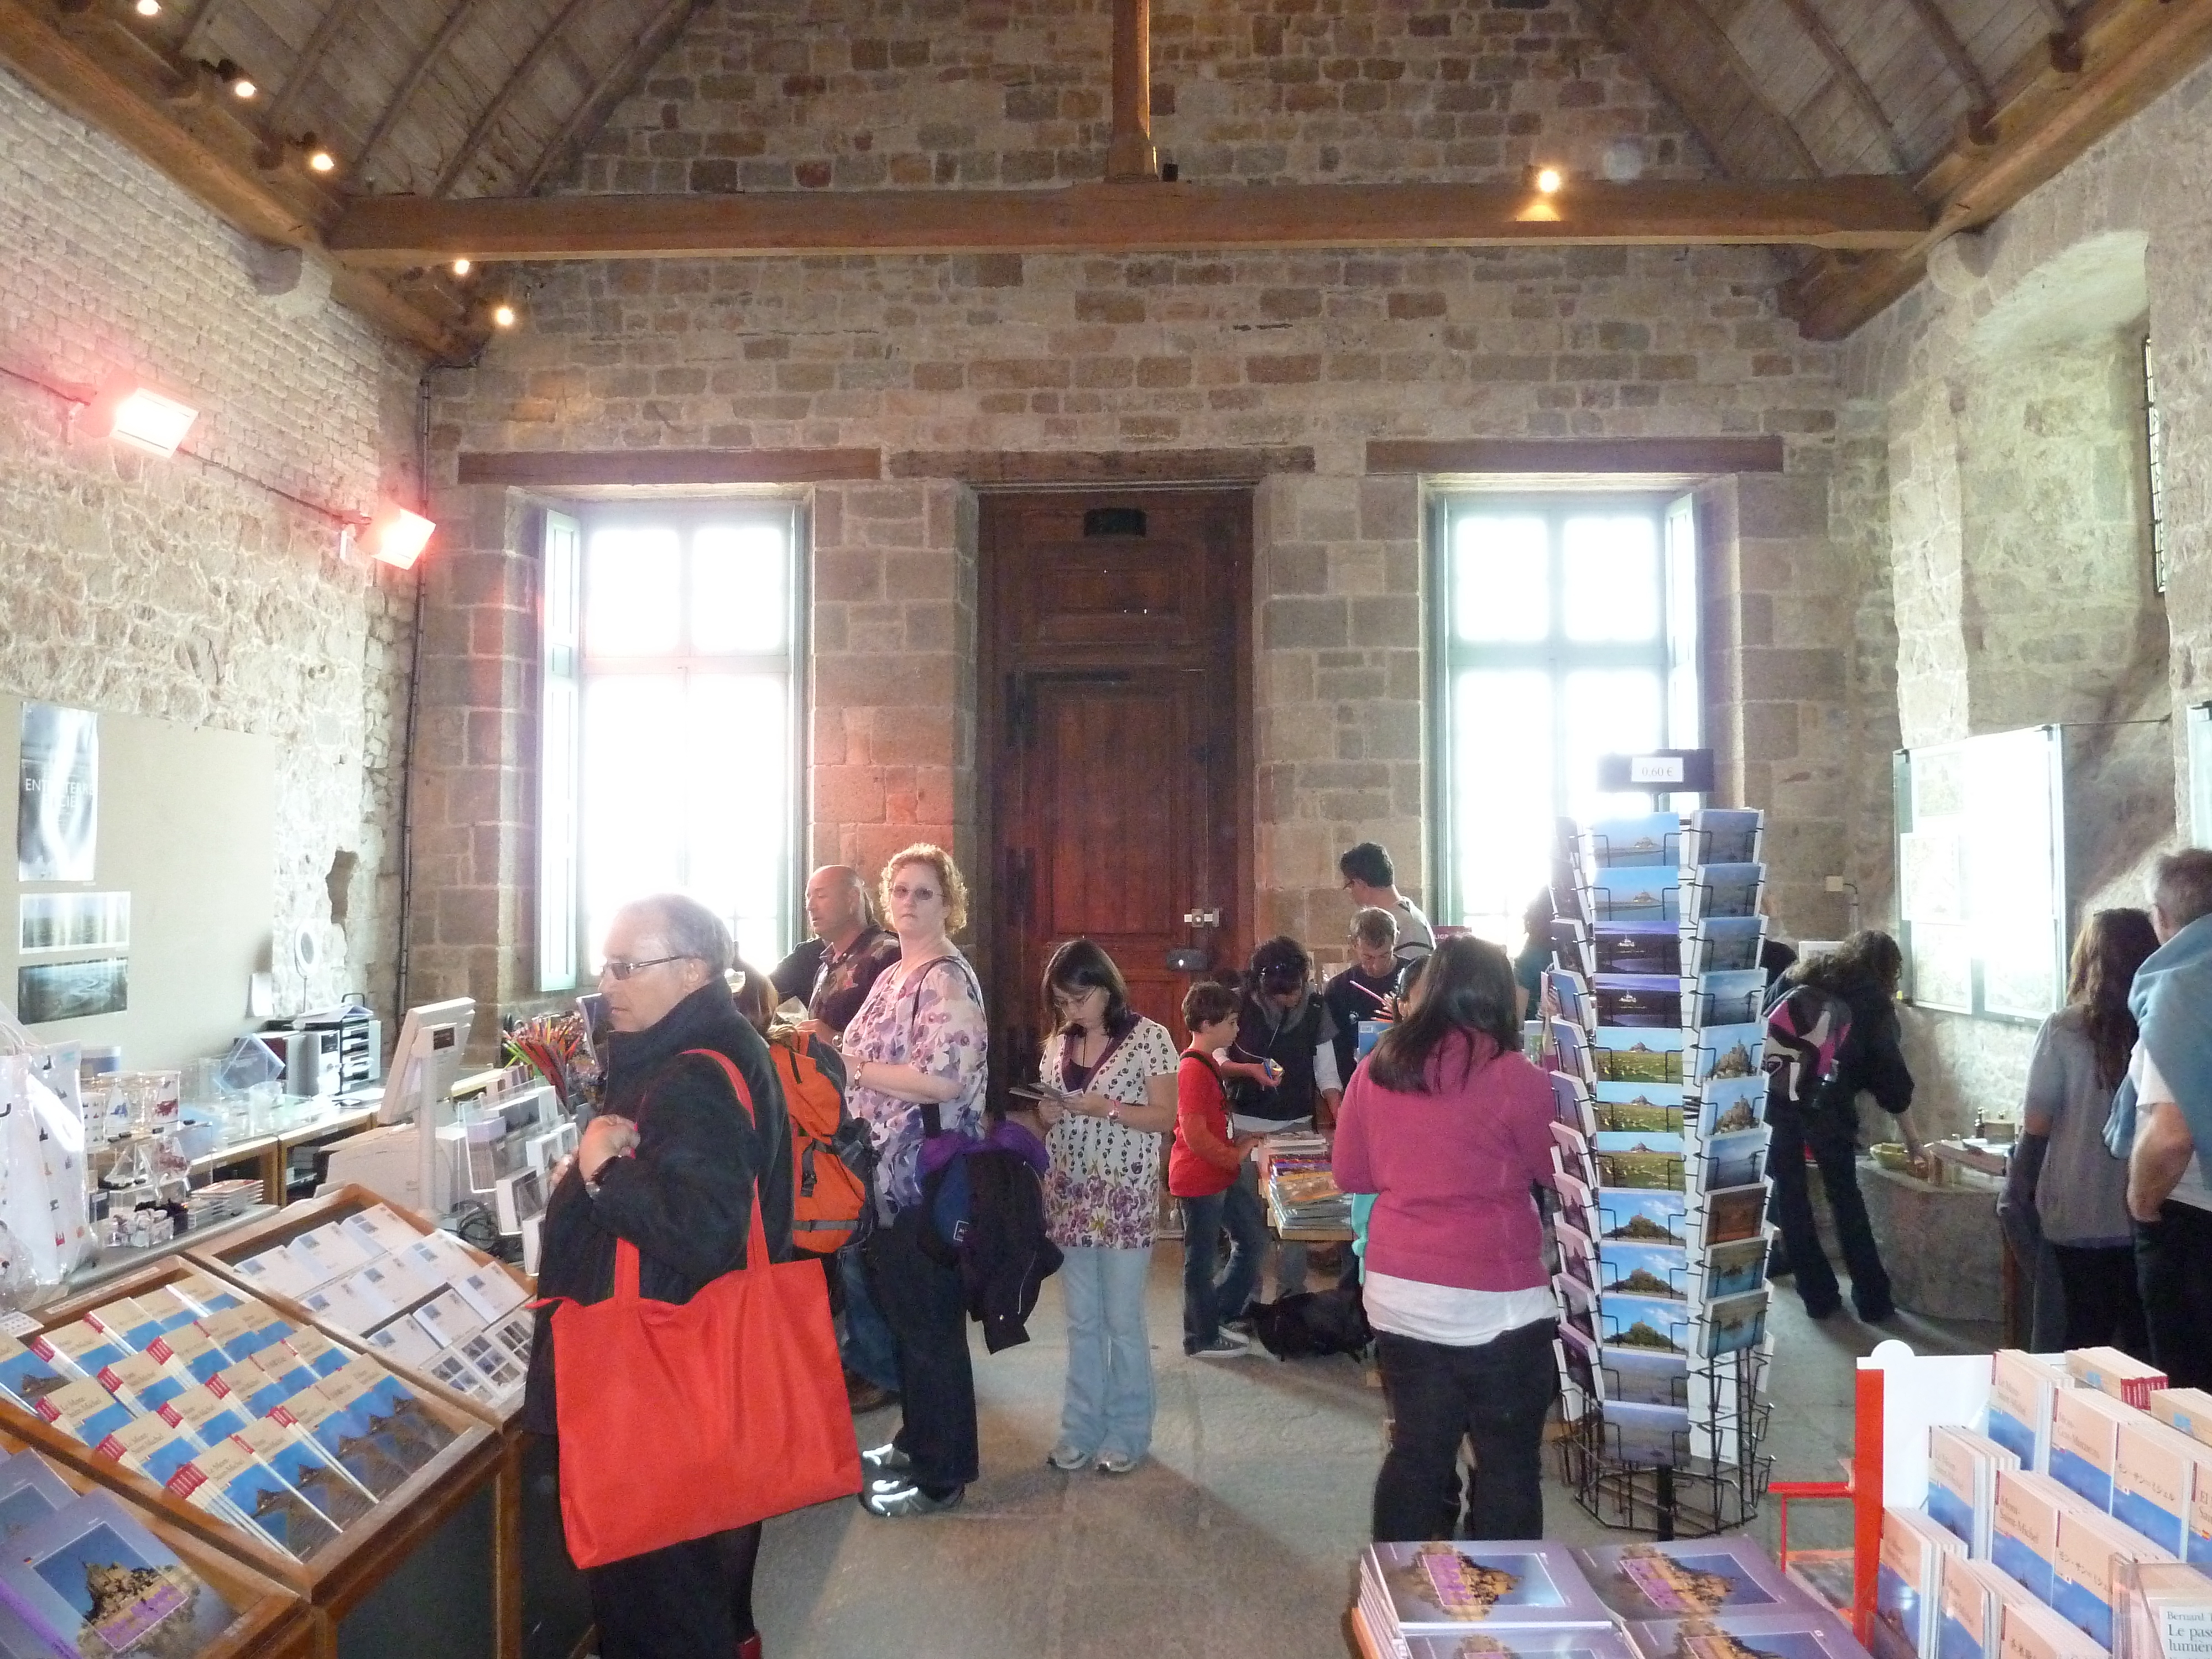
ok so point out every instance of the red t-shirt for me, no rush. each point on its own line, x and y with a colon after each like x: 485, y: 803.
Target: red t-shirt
x: 1201, y: 1162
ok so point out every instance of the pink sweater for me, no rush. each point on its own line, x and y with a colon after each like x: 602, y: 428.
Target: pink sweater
x: 1451, y: 1170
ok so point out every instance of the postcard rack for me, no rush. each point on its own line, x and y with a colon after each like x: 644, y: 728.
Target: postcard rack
x: 1655, y: 1036
x: 418, y: 1573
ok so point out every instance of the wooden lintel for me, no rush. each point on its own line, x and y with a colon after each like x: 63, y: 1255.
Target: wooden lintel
x: 1859, y: 212
x: 1032, y: 468
x: 1685, y: 457
x: 2131, y: 52
x: 117, y: 84
x: 554, y: 469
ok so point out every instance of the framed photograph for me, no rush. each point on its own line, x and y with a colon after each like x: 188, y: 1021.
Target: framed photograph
x: 49, y: 991
x: 72, y: 921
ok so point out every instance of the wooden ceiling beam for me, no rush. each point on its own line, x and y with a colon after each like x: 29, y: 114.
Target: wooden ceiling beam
x: 1847, y: 75
x: 337, y: 15
x: 2047, y: 114
x: 1130, y: 155
x: 1678, y: 46
x: 1936, y: 23
x: 592, y: 110
x: 1863, y: 212
x: 488, y: 119
x: 119, y: 83
x: 457, y: 18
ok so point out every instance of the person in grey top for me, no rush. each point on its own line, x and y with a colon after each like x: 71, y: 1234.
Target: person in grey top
x: 1372, y: 881
x: 2061, y: 1170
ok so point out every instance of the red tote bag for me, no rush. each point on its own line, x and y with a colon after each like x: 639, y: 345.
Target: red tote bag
x: 681, y: 1419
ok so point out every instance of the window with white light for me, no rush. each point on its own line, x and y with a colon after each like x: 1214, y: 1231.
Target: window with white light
x: 1567, y: 630
x: 670, y: 724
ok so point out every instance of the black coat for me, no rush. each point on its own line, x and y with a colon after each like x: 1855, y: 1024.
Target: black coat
x: 685, y: 1199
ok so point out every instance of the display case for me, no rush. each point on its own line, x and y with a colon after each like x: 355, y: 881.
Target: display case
x: 270, y: 1622
x: 419, y: 1569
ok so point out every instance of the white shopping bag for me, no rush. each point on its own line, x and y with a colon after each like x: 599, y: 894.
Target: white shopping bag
x: 42, y: 1189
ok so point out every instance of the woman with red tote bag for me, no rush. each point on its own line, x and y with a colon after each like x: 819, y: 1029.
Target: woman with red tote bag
x: 663, y: 1282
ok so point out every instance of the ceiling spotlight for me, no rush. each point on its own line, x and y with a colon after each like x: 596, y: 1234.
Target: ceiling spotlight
x: 460, y: 267
x: 145, y: 419
x: 321, y: 160
x: 1548, y: 181
x: 241, y: 85
x: 149, y: 8
x: 503, y: 315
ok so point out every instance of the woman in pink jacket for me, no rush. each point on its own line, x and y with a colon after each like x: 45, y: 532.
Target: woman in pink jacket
x: 1449, y: 1127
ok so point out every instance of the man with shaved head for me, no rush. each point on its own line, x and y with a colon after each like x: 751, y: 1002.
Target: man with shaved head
x: 832, y: 972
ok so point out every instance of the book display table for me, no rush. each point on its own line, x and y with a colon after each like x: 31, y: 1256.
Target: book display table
x: 270, y: 1621
x: 412, y: 1567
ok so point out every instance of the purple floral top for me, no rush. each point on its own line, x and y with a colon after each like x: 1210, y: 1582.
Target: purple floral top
x: 1104, y: 1188
x: 932, y: 1017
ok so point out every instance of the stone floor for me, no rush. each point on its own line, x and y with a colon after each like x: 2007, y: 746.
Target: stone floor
x: 1238, y: 1537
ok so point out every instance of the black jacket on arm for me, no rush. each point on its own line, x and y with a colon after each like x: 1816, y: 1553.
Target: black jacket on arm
x: 685, y: 1198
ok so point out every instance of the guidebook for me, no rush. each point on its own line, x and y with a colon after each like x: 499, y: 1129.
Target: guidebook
x: 1690, y: 1577
x: 250, y: 1488
x: 1908, y: 1583
x: 1962, y: 1484
x: 2022, y: 1388
x: 1438, y: 1588
x: 1799, y: 1635
x: 93, y: 1580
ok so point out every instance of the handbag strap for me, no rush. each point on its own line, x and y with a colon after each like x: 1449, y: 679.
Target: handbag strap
x: 627, y: 1259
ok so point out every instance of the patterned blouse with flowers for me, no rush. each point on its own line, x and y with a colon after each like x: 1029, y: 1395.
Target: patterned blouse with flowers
x: 930, y: 1017
x: 1102, y: 1191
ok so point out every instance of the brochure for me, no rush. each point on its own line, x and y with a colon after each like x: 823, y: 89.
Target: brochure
x: 2156, y: 1473
x: 2024, y: 1531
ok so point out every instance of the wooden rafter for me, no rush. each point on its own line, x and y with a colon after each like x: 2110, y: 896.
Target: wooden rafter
x: 591, y: 110
x: 1665, y: 37
x: 1129, y: 153
x: 329, y: 27
x: 428, y: 59
x: 1937, y: 24
x: 1860, y: 212
x: 201, y: 25
x: 120, y: 82
x: 489, y: 118
x: 2046, y: 114
x: 1847, y: 75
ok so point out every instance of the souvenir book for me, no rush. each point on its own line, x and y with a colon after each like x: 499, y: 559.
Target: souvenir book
x: 84, y: 1411
x: 25, y: 1376
x: 2085, y: 1442
x: 1440, y: 1587
x: 142, y: 1382
x: 128, y: 1322
x: 316, y: 1351
x: 1690, y: 1578
x: 2120, y: 1375
x: 29, y: 1492
x: 1801, y: 1635
x: 2022, y: 1390
x: 2029, y: 1630
x: 1524, y: 1641
x: 208, y: 1415
x: 2188, y: 1410
x: 1653, y: 839
x: 1909, y: 1583
x: 389, y: 1410
x: 253, y: 1391
x: 229, y: 1478
x: 2197, y: 1546
x: 1636, y: 1053
x: 2156, y: 1475
x: 77, y: 1350
x: 342, y: 1437
x: 1646, y: 1108
x: 284, y: 1367
x: 1647, y: 1376
x: 18, y: 1640
x: 1647, y: 1435
x: 2023, y: 1532
x: 188, y: 1353
x: 153, y: 1447
x: 1962, y: 1484
x: 91, y: 1579
x: 1974, y: 1594
x: 2164, y: 1612
x: 240, y: 1330
x: 2091, y: 1549
x: 1725, y: 1105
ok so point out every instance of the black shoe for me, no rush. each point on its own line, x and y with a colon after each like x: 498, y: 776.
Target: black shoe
x: 1825, y: 1310
x: 1876, y: 1315
x: 896, y: 1502
x: 862, y: 1395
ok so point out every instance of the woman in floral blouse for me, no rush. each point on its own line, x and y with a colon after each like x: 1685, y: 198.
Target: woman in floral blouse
x: 1117, y: 1072
x: 915, y: 1051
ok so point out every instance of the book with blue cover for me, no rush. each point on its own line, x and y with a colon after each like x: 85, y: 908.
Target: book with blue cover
x: 25, y: 1376
x: 1971, y: 1621
x: 2085, y: 1443
x: 2091, y: 1550
x: 127, y: 1322
x: 1962, y: 1484
x: 2023, y: 1532
x: 1908, y: 1585
x: 2023, y: 1390
x: 84, y: 1411
x: 142, y: 1382
x: 190, y: 1352
x: 2156, y: 1474
x: 77, y: 1349
x: 249, y: 1488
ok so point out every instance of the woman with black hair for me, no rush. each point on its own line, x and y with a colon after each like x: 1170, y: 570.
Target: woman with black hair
x: 1449, y: 1127
x: 1116, y: 1071
x: 1863, y: 971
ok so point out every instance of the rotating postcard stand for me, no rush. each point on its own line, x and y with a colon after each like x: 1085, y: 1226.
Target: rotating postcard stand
x: 1655, y: 1039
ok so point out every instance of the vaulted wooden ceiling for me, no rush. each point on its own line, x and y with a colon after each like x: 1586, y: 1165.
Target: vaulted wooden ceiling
x: 440, y: 104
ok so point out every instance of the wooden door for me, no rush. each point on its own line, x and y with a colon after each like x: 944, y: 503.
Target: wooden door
x: 1116, y: 744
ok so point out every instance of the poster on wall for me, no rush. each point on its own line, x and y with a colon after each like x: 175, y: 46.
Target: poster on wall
x: 73, y: 921
x: 57, y: 794
x: 72, y: 990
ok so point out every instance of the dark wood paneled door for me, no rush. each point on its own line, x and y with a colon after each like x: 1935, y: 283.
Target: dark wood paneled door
x: 1116, y: 744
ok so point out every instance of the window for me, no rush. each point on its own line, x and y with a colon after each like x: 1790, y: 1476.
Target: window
x: 1567, y: 630
x: 670, y: 723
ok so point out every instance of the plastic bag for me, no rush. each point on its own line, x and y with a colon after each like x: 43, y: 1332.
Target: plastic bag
x: 42, y: 1181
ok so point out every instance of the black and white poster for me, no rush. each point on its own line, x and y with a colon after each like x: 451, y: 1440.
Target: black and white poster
x: 58, y: 800
x: 72, y: 990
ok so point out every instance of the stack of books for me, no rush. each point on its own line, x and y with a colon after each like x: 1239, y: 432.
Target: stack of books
x: 1437, y: 1595
x: 1302, y: 1189
x: 1655, y: 1013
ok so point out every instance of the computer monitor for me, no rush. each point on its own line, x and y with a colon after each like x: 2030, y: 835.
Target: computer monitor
x: 441, y: 1029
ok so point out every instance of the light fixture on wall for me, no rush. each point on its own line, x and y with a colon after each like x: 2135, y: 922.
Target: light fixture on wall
x: 397, y: 537
x: 1547, y: 181
x: 143, y: 418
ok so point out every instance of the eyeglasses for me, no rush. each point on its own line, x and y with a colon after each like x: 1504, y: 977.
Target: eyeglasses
x: 617, y: 968
x: 1068, y: 1002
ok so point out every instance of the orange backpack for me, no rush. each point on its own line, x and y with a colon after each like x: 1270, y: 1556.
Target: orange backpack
x: 833, y: 1156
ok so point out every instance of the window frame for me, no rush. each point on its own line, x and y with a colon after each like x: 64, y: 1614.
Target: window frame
x: 1675, y: 653
x: 792, y: 661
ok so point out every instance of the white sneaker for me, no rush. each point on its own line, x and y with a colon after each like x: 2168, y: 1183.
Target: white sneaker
x: 1224, y: 1346
x: 1115, y: 1462
x: 1070, y: 1458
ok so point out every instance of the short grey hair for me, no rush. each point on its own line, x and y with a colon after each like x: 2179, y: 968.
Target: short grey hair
x: 688, y: 928
x: 2181, y: 886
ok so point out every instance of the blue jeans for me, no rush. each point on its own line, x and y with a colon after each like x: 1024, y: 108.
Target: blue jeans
x: 1208, y: 1301
x: 866, y: 1344
x: 1248, y: 1219
x: 1109, y: 1404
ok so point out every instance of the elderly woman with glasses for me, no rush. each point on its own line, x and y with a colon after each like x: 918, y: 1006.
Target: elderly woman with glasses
x: 914, y: 1066
x: 672, y: 1165
x: 1113, y: 1073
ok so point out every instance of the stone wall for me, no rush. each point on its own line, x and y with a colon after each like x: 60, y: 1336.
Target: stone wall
x: 187, y: 590
x: 2008, y: 389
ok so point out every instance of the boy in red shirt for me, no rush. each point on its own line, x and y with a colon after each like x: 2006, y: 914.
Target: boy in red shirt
x: 1202, y: 1166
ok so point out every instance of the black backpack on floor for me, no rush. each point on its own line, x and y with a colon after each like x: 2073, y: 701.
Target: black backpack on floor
x: 1311, y: 1323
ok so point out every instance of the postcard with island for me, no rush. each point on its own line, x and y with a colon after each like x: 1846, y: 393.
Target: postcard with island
x: 1635, y: 999
x: 1734, y: 1268
x: 1660, y: 1270
x: 1644, y: 1321
x: 1735, y: 1159
x: 1648, y: 1436
x: 1648, y: 840
x: 1724, y: 944
x: 1439, y: 1587
x: 1723, y: 889
x: 1647, y: 1376
x: 1734, y: 1324
x: 1733, y: 996
x: 1636, y: 1053
x: 1726, y: 834
x: 1728, y: 1104
x: 1638, y: 1157
x: 1633, y: 893
x: 1724, y: 1052
x: 1640, y: 1217
x: 1690, y: 1578
x: 1645, y: 1106
x: 1731, y: 1214
x: 1652, y: 946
